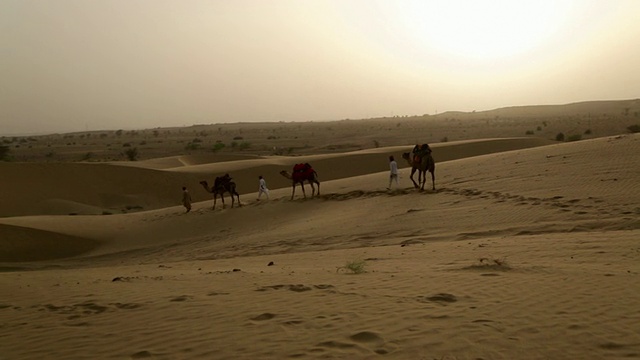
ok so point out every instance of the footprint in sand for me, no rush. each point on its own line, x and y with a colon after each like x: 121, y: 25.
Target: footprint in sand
x: 263, y: 317
x: 441, y: 298
x: 141, y: 355
x: 182, y: 298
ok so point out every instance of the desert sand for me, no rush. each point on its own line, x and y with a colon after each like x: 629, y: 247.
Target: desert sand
x: 527, y: 249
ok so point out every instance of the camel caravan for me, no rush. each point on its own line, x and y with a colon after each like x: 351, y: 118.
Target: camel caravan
x: 419, y: 159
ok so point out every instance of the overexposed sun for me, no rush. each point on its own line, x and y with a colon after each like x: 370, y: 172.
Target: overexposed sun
x: 481, y: 29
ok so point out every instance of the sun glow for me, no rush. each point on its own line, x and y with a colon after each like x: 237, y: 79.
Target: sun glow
x: 480, y: 30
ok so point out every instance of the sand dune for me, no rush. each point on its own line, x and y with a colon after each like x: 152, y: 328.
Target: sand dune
x: 118, y: 187
x: 524, y: 251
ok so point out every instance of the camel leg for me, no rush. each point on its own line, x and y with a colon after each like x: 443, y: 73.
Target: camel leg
x: 222, y: 198
x: 239, y: 203
x: 433, y: 179
x: 422, y: 179
x: 318, y: 183
x: 413, y: 171
x: 293, y: 191
x: 303, y: 192
x: 215, y: 199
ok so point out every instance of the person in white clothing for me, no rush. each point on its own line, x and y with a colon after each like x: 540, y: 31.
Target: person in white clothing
x: 393, y: 174
x: 262, y: 188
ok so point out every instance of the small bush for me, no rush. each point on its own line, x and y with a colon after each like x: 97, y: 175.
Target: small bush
x: 444, y: 139
x: 217, y: 147
x: 529, y: 132
x: 560, y: 137
x: 574, y: 137
x: 192, y: 146
x: 634, y: 128
x: 587, y: 132
x: 355, y: 266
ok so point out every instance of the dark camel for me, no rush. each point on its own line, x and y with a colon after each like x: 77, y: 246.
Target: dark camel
x: 426, y: 163
x: 221, y: 185
x: 299, y: 177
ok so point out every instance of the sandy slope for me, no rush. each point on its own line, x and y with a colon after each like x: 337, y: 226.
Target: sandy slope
x: 531, y: 253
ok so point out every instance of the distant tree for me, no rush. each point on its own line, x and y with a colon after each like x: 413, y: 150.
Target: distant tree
x: 118, y: 132
x: 132, y: 154
x: 4, y: 152
x: 560, y: 137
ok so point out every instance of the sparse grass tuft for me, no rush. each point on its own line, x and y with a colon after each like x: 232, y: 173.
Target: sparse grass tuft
x: 355, y: 266
x: 490, y: 263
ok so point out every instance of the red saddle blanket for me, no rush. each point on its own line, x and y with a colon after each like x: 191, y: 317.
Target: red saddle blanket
x: 301, y: 171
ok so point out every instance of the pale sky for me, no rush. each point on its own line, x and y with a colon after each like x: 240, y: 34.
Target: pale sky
x: 76, y: 65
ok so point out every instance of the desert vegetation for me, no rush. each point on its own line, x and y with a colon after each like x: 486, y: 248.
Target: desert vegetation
x: 290, y: 138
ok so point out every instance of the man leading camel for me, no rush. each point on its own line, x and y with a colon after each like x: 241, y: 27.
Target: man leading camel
x: 393, y: 172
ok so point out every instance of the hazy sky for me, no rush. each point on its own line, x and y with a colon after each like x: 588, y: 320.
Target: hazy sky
x: 75, y: 65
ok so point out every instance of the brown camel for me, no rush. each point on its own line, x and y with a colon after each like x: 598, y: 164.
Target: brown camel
x: 426, y: 163
x: 221, y: 185
x: 302, y: 173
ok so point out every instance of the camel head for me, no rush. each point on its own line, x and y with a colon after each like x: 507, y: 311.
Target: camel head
x: 206, y: 185
x: 286, y: 174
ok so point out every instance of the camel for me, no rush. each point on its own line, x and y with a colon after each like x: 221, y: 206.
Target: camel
x: 302, y: 173
x: 425, y: 164
x: 221, y: 185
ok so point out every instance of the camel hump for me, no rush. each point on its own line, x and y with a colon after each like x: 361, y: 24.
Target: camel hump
x: 302, y: 167
x: 302, y: 171
x: 222, y: 180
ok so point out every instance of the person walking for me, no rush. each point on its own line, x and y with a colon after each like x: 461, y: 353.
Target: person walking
x: 186, y: 199
x: 262, y: 187
x: 393, y: 172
